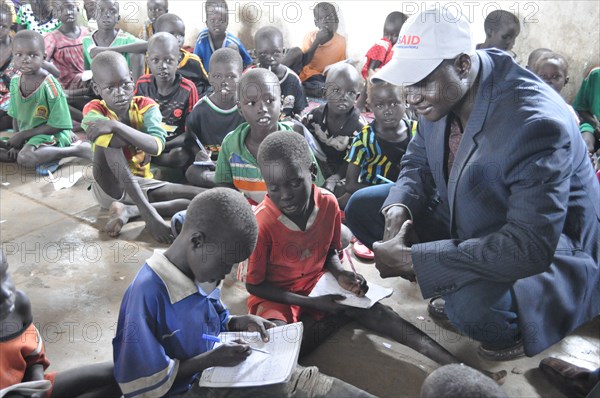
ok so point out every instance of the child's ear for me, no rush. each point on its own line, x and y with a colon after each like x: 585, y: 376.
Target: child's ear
x: 314, y: 171
x: 566, y: 80
x: 198, y: 239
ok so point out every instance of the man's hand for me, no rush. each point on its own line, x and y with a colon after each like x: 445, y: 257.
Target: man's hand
x: 395, y: 217
x: 354, y: 283
x: 251, y: 323
x: 394, y: 257
x: 96, y: 128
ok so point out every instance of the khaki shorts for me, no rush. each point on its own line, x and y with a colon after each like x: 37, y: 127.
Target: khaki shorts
x: 105, y: 200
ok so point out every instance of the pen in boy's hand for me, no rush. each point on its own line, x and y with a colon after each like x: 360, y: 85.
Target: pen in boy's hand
x: 347, y: 252
x: 217, y: 339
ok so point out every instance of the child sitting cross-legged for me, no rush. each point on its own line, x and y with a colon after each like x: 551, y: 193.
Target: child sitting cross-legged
x: 175, y: 95
x: 335, y: 124
x: 377, y: 151
x: 23, y: 356
x: 125, y: 130
x: 259, y: 101
x: 299, y: 228
x: 174, y: 299
x: 213, y: 117
x: 39, y: 109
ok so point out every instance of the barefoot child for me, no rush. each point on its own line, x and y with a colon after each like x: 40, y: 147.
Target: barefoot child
x: 24, y: 358
x: 268, y: 42
x: 299, y: 234
x: 39, y: 109
x: 216, y: 36
x: 259, y: 101
x: 335, y: 124
x: 219, y: 231
x: 107, y: 35
x: 125, y: 130
x: 213, y: 117
x: 174, y: 94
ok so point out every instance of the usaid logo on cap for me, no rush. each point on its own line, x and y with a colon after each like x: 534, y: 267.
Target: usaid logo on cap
x: 408, y: 41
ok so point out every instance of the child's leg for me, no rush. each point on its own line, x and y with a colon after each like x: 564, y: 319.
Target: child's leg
x: 176, y: 157
x: 95, y: 380
x: 171, y: 191
x: 112, y: 174
x: 200, y: 176
x: 30, y: 156
x: 385, y: 321
x: 316, y: 332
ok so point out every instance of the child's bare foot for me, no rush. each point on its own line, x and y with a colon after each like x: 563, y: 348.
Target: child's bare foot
x: 118, y: 215
x: 160, y: 230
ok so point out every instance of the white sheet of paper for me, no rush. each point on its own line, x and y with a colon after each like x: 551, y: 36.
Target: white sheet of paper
x: 28, y: 388
x: 65, y: 182
x: 329, y: 285
x: 259, y: 369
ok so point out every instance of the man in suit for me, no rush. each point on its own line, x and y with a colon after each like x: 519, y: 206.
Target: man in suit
x: 497, y: 186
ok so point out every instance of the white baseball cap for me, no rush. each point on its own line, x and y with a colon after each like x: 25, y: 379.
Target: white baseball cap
x: 425, y: 40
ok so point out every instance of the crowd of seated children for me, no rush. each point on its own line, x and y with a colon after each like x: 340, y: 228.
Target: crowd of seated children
x: 24, y: 358
x: 226, y: 128
x: 183, y: 280
x: 259, y: 101
x: 299, y: 237
x: 174, y: 94
x: 216, y: 36
x: 335, y: 123
x: 320, y: 49
x: 268, y: 42
x: 213, y: 117
x: 108, y: 35
x: 41, y: 119
x: 154, y: 8
x: 125, y: 131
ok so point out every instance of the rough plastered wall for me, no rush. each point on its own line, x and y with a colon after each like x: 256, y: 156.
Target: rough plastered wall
x: 569, y: 27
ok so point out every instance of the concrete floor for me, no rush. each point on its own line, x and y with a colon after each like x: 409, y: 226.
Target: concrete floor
x: 75, y: 276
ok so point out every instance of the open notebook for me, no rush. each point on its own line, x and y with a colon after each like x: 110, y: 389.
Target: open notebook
x: 259, y: 369
x: 329, y: 285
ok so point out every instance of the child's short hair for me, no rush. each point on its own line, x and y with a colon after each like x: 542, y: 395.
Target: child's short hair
x: 107, y: 60
x: 212, y: 5
x: 163, y: 37
x: 342, y: 68
x: 267, y: 32
x: 286, y: 147
x: 324, y: 7
x: 166, y: 18
x: 535, y: 55
x: 33, y: 36
x: 498, y: 18
x: 228, y: 209
x: 225, y: 56
x: 377, y: 84
x: 551, y: 55
x: 253, y: 75
x: 460, y: 381
x: 395, y: 17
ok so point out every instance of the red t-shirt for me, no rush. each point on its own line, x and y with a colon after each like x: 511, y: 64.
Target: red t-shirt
x: 288, y: 257
x: 381, y: 51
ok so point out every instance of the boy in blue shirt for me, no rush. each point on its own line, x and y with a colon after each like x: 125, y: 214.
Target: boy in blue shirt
x: 157, y: 349
x: 215, y: 35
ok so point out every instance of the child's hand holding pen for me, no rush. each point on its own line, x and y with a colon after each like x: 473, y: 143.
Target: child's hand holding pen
x: 230, y: 354
x: 352, y: 281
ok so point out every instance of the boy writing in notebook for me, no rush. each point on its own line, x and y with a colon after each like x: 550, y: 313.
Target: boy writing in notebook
x: 158, y: 349
x: 125, y: 131
x: 299, y: 230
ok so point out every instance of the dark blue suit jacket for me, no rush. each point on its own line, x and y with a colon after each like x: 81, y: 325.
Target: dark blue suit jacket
x: 523, y: 203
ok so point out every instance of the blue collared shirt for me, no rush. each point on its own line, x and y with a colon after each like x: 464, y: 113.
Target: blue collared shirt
x: 162, y: 318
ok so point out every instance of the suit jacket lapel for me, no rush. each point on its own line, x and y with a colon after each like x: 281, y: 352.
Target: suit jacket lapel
x: 468, y: 144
